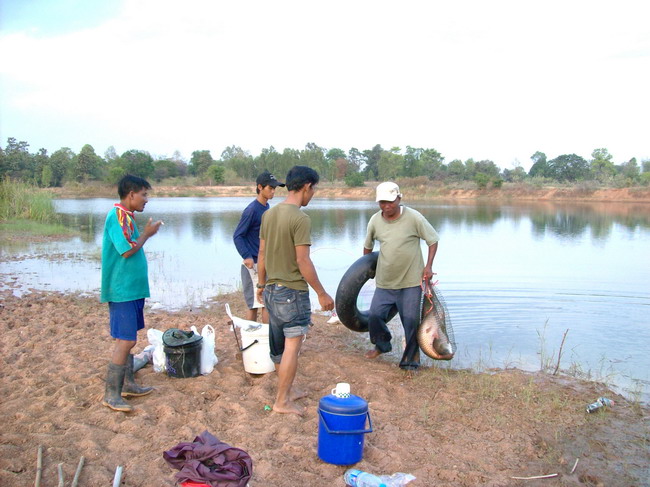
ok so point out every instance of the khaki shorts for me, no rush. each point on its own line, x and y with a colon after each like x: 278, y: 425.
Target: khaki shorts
x: 249, y: 282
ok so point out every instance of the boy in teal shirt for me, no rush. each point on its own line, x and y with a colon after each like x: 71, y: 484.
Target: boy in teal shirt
x: 125, y: 285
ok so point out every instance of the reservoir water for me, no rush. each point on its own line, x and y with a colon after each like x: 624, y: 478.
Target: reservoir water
x: 515, y: 277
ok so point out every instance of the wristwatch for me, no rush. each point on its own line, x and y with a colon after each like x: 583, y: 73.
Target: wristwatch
x: 260, y: 286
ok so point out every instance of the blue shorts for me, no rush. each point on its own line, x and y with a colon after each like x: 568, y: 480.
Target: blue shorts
x: 126, y: 319
x: 289, y: 316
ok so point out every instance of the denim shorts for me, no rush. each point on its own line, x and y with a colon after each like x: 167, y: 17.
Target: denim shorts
x: 126, y: 319
x: 289, y: 316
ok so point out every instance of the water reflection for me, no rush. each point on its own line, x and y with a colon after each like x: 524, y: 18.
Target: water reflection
x: 563, y: 220
x: 349, y: 218
x: 597, y: 220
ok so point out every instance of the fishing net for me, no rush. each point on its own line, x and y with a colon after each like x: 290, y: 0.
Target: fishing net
x: 438, y: 344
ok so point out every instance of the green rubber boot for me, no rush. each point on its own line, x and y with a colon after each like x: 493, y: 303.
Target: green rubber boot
x: 113, y: 393
x: 130, y: 387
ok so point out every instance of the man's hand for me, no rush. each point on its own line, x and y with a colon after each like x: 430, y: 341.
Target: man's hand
x: 427, y: 274
x: 248, y: 263
x: 151, y: 228
x: 326, y: 302
x: 260, y: 294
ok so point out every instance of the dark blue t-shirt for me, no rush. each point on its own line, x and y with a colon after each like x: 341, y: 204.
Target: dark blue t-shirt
x: 247, y: 233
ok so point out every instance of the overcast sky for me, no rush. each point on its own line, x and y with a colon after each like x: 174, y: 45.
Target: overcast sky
x: 478, y: 79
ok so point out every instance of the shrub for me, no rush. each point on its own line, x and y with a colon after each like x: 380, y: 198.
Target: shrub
x: 586, y: 186
x: 481, y: 180
x: 354, y: 179
x: 216, y: 173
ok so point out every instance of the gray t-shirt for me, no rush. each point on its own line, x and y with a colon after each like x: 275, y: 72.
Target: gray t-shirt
x: 400, y: 261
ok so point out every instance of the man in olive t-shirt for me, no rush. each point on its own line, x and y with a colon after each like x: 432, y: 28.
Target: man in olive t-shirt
x: 400, y: 271
x: 285, y: 270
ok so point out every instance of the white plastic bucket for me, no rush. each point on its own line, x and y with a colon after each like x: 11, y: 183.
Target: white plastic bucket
x: 256, y: 350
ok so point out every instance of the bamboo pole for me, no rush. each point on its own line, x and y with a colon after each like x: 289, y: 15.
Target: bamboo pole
x: 59, y: 467
x: 118, y: 476
x: 39, y: 466
x: 549, y: 476
x: 78, y: 472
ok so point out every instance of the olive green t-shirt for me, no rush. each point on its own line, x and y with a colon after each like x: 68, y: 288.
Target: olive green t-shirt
x: 400, y: 261
x: 284, y: 227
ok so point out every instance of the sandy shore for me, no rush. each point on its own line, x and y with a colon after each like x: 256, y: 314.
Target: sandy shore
x: 452, y: 428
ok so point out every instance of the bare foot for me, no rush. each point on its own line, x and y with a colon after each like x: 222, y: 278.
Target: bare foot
x: 289, y: 408
x: 297, y: 393
x: 372, y: 354
x: 410, y: 373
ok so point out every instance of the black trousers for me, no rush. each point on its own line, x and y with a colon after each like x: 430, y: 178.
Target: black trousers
x: 407, y: 301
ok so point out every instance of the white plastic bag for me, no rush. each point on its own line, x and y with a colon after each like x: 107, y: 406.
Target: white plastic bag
x: 143, y: 358
x: 247, y: 325
x: 159, y: 359
x: 208, y: 356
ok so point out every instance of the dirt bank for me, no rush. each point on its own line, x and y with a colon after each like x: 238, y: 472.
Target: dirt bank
x: 338, y: 190
x: 452, y: 428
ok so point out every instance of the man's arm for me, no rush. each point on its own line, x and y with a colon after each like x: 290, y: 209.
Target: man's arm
x: 261, y: 271
x: 308, y: 271
x: 150, y: 229
x: 427, y: 273
x: 239, y: 238
x: 370, y: 238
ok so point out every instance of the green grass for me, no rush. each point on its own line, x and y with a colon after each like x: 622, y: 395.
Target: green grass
x: 15, y: 234
x: 30, y: 227
x: 20, y: 201
x: 27, y: 212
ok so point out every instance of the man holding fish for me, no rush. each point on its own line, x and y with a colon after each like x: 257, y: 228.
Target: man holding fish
x: 401, y: 271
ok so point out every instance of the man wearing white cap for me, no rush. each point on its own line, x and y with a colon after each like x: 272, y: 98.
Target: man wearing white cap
x: 400, y: 271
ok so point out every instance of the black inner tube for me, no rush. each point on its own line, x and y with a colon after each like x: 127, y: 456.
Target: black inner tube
x: 362, y: 270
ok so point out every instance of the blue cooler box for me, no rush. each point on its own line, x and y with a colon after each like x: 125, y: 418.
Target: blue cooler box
x: 341, y: 426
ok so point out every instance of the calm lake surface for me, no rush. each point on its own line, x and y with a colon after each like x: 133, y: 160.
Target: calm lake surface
x: 515, y: 277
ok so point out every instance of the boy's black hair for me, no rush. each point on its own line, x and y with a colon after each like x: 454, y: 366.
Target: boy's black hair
x: 298, y: 176
x: 131, y: 183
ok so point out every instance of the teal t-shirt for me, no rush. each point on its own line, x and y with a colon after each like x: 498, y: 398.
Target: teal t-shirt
x: 123, y: 279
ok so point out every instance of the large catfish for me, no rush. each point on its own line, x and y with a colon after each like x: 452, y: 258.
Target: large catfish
x: 433, y: 332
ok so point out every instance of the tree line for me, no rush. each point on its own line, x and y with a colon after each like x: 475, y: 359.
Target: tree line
x: 354, y: 166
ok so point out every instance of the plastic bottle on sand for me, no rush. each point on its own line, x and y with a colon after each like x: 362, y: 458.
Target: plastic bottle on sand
x: 601, y: 402
x: 358, y: 478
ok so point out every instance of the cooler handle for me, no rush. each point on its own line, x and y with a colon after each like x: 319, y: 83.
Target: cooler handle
x: 348, y: 432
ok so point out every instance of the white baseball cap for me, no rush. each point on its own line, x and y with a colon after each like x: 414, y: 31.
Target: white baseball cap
x: 388, y: 192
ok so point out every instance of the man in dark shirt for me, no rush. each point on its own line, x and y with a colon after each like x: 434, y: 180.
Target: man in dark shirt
x: 247, y: 241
